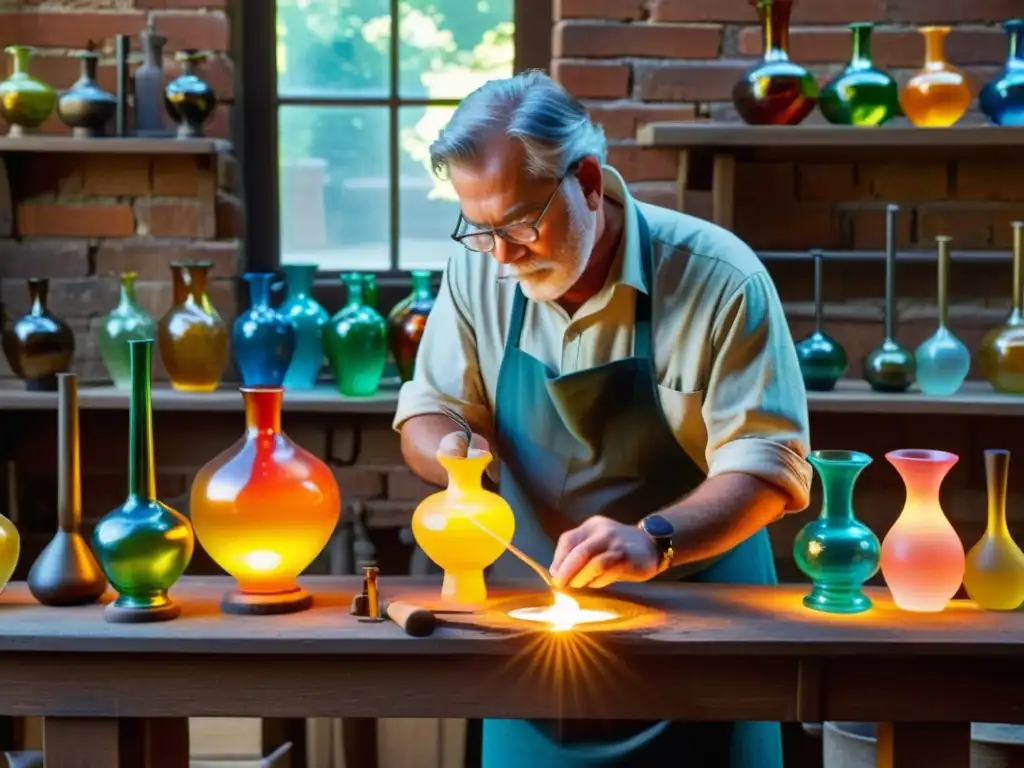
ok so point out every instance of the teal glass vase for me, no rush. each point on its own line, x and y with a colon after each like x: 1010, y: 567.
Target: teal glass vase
x: 942, y: 360
x: 309, y: 319
x: 127, y: 321
x: 822, y: 359
x: 837, y: 552
x: 143, y: 546
x: 356, y: 343
x: 861, y: 94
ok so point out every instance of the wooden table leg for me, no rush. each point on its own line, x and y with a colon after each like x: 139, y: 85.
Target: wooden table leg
x: 723, y: 184
x: 682, y: 179
x: 914, y: 745
x: 286, y: 730
x: 108, y: 742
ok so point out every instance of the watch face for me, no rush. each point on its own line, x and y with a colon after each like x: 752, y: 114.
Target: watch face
x: 657, y: 526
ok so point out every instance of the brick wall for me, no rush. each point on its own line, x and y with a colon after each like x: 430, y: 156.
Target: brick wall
x: 81, y: 219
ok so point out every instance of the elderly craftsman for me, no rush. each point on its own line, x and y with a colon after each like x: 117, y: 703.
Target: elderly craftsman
x: 632, y: 371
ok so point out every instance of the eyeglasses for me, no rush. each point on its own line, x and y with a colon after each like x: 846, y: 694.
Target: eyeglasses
x: 484, y: 240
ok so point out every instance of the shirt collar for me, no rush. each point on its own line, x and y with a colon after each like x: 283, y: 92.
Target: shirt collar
x: 627, y: 268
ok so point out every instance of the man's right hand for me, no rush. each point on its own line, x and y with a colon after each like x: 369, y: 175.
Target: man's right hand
x: 454, y: 444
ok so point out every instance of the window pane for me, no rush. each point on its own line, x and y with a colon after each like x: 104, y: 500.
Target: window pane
x: 333, y: 47
x: 428, y: 208
x: 449, y: 47
x: 334, y: 186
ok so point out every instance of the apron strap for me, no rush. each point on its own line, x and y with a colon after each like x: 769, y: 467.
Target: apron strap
x: 642, y: 344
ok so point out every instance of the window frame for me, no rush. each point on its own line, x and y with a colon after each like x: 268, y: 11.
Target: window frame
x: 255, y: 121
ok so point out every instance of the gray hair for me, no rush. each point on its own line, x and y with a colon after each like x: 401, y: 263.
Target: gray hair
x: 553, y: 127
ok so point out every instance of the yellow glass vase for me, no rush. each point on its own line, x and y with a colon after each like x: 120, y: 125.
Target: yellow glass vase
x: 10, y: 550
x: 939, y: 95
x: 1001, y: 354
x: 464, y: 528
x: 994, y: 576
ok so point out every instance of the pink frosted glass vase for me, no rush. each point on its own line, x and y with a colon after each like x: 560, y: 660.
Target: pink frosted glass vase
x: 922, y: 555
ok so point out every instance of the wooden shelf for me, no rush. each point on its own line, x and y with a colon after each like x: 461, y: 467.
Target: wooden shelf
x: 975, y: 398
x: 926, y: 256
x: 116, y: 146
x: 715, y: 135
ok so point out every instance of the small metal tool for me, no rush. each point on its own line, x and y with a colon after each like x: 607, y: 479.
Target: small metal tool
x: 540, y: 569
x: 372, y: 595
x: 460, y: 422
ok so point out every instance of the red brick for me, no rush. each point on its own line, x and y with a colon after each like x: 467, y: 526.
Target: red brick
x: 622, y: 10
x: 741, y: 11
x: 889, y: 48
x: 44, y: 258
x: 151, y: 259
x: 68, y: 29
x: 360, y: 482
x: 403, y: 485
x: 972, y: 226
x: 175, y: 218
x: 622, y: 120
x: 831, y: 12
x: 952, y: 11
x: 905, y: 181
x: 757, y: 182
x: 592, y: 80
x: 792, y: 227
x: 689, y: 81
x: 827, y: 182
x: 161, y: 5
x: 378, y: 443
x: 996, y: 181
x: 585, y: 39
x: 868, y: 227
x: 75, y: 220
x: 182, y: 176
x: 115, y: 175
x: 640, y: 164
x: 202, y: 31
x: 230, y: 216
x: 82, y: 297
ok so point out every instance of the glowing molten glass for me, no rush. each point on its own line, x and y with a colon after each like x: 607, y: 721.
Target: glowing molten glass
x: 564, y: 614
x: 922, y: 555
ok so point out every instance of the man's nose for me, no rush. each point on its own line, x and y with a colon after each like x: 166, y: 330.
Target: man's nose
x: 507, y: 253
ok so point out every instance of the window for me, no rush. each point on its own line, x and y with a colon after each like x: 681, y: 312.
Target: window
x: 363, y: 88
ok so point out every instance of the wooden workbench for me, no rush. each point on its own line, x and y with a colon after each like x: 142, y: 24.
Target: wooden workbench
x: 111, y: 693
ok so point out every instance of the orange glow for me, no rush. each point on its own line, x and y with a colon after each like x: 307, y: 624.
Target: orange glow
x: 922, y: 555
x: 265, y: 508
x: 563, y: 614
x: 446, y: 525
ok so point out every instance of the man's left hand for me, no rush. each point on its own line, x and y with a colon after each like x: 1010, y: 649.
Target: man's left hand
x: 600, y: 552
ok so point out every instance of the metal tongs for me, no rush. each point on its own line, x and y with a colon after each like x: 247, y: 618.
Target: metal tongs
x: 541, y: 571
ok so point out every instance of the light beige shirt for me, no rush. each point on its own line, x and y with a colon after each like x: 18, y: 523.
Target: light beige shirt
x: 729, y: 381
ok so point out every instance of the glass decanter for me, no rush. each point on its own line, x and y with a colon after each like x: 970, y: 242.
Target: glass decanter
x: 942, y: 360
x: 1001, y: 354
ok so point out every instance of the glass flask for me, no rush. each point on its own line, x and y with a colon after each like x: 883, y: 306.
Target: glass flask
x: 890, y: 367
x: 942, y: 360
x: 861, y: 94
x: 939, y: 95
x: 822, y: 359
x: 1002, y: 98
x: 1001, y: 354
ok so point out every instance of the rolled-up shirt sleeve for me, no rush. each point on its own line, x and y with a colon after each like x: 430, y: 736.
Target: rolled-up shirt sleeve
x: 447, y: 370
x: 755, y: 405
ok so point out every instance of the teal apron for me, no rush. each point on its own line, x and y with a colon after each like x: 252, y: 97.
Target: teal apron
x: 597, y: 442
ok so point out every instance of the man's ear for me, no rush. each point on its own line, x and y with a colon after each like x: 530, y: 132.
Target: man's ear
x: 591, y: 178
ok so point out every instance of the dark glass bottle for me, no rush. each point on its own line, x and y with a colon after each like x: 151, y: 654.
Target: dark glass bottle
x: 39, y: 345
x: 407, y: 321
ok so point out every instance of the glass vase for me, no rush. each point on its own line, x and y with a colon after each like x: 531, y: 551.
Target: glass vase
x: 39, y: 345
x: 190, y: 101
x: 143, y: 546
x: 25, y: 101
x: 775, y: 91
x: 356, y: 343
x: 861, y: 94
x: 66, y: 572
x: 309, y: 319
x: 939, y: 95
x: 86, y: 108
x: 994, y: 573
x: 237, y: 501
x: 447, y: 527
x: 822, y: 359
x: 1002, y: 98
x: 889, y: 367
x: 837, y: 552
x: 407, y: 321
x: 942, y: 360
x: 193, y: 337
x: 127, y: 321
x: 370, y: 294
x: 1001, y: 354
x: 263, y: 339
x: 922, y: 556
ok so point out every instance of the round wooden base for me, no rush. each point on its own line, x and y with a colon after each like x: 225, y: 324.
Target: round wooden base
x: 116, y: 614
x: 245, y: 604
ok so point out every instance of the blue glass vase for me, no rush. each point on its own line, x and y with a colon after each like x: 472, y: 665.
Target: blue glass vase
x: 309, y: 319
x: 263, y: 339
x: 837, y: 552
x: 942, y: 360
x: 1002, y: 99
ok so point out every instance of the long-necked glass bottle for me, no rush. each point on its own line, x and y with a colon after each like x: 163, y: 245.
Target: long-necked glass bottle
x: 355, y: 341
x: 942, y: 360
x: 127, y: 321
x: 309, y: 319
x: 1001, y: 355
x: 143, y: 546
x: 822, y: 359
x: 1002, y: 98
x: 861, y: 94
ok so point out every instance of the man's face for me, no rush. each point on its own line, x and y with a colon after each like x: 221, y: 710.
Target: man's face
x: 496, y: 192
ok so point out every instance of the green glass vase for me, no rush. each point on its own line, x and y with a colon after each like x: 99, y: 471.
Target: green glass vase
x: 861, y: 94
x: 127, y: 321
x: 370, y: 290
x: 822, y: 359
x: 25, y: 101
x: 143, y: 546
x: 356, y: 342
x: 837, y: 552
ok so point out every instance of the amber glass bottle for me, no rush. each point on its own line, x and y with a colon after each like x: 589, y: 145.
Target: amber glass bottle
x: 193, y: 337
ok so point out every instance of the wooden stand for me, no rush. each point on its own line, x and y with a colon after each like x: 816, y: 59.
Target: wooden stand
x: 246, y: 604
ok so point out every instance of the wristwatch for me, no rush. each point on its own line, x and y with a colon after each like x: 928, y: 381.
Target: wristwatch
x: 660, y: 530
